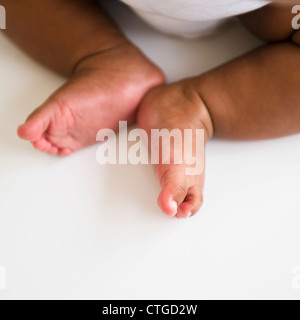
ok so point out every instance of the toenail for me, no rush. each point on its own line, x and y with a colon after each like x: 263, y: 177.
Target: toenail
x: 174, y: 207
x: 189, y: 214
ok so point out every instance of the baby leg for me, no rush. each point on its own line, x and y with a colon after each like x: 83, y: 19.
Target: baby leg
x: 256, y: 96
x: 108, y: 76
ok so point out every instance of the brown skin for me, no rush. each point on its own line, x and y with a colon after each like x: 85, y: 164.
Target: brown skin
x: 59, y: 33
x: 257, y: 95
x: 108, y: 76
x: 176, y: 106
x: 253, y: 97
x: 271, y: 23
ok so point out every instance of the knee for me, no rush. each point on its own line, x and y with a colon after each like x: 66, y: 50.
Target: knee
x: 272, y: 23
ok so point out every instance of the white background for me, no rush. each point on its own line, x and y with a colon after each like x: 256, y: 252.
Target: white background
x: 70, y: 228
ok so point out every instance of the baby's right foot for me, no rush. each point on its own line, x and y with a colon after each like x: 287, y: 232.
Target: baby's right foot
x: 105, y: 89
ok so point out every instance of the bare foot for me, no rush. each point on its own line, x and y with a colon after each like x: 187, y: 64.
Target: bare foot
x: 176, y: 106
x: 105, y: 89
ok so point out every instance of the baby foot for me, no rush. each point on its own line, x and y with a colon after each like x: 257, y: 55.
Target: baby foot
x: 105, y: 88
x: 176, y: 106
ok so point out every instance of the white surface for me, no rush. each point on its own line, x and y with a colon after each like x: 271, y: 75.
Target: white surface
x: 70, y: 228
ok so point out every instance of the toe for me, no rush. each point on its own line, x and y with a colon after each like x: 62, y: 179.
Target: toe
x: 65, y: 152
x: 192, y: 203
x: 35, y: 126
x: 174, y: 192
x: 42, y: 145
x: 53, y: 151
x: 46, y: 146
x: 181, y: 195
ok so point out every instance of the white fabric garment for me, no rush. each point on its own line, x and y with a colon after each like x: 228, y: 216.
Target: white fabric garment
x: 190, y: 18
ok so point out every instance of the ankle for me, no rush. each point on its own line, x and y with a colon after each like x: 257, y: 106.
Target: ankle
x: 130, y: 55
x: 203, y: 111
x: 89, y: 61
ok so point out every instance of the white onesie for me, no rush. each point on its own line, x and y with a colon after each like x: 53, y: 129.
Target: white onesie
x: 190, y: 18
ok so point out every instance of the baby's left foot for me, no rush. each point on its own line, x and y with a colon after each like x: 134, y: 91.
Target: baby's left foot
x: 177, y: 106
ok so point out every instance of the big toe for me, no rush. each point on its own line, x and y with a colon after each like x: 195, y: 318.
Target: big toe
x: 35, y: 126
